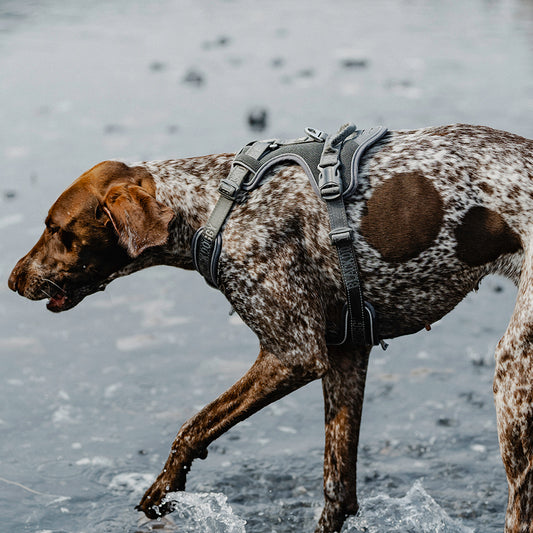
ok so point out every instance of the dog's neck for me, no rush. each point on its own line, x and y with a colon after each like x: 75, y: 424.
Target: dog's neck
x: 190, y: 188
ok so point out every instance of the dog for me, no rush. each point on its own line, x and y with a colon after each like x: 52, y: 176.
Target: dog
x: 436, y: 210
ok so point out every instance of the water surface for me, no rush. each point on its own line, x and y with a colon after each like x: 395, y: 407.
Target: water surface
x: 90, y: 400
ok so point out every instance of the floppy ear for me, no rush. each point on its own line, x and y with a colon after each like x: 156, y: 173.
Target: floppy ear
x: 138, y: 218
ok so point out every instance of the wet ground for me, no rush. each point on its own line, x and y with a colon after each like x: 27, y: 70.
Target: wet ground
x: 90, y: 400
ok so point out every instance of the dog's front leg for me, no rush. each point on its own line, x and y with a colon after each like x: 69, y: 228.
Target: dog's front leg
x: 343, y: 387
x: 267, y: 380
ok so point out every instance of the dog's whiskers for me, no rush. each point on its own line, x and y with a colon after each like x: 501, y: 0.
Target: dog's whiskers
x: 45, y: 293
x: 55, y: 285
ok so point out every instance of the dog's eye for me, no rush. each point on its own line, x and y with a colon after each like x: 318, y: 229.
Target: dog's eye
x: 67, y: 239
x: 53, y: 229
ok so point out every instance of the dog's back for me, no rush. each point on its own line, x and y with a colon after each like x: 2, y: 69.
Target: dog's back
x: 435, y: 210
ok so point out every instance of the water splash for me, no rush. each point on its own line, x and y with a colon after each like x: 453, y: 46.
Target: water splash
x: 416, y: 512
x: 204, y: 511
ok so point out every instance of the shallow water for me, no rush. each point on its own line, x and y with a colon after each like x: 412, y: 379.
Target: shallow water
x: 90, y: 400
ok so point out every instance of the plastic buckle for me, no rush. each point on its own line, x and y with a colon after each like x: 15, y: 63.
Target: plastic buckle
x: 340, y: 236
x: 228, y: 189
x: 315, y: 134
x: 330, y: 184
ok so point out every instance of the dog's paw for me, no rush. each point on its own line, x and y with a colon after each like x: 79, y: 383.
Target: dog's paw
x: 153, y: 512
x: 152, y: 503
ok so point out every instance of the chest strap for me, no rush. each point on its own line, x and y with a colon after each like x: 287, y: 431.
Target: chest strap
x: 207, y: 241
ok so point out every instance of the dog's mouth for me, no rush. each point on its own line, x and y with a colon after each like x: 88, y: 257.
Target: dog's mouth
x: 57, y: 302
x: 64, y: 299
x: 62, y: 302
x: 64, y: 294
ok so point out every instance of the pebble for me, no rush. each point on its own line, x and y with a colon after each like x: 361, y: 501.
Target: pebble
x: 258, y: 119
x: 10, y: 194
x: 194, y: 77
x: 354, y: 62
x: 157, y: 66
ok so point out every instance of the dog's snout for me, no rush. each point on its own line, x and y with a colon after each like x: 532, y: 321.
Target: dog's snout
x: 15, y: 281
x: 12, y: 281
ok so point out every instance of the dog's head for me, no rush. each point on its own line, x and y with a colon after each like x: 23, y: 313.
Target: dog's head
x: 104, y: 223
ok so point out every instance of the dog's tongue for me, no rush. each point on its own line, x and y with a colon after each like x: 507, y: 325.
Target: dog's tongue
x: 57, y: 302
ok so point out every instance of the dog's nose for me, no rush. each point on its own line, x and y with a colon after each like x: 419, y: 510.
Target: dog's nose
x: 12, y: 281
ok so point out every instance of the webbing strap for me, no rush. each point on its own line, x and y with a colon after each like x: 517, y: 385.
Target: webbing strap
x: 207, y: 238
x: 331, y: 189
x: 341, y: 238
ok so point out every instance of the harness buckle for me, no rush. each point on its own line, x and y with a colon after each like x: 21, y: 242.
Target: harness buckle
x: 341, y: 236
x: 330, y: 183
x: 315, y: 134
x: 228, y: 189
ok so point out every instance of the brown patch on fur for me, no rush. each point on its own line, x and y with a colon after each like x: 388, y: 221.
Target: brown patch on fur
x: 403, y: 216
x: 483, y: 236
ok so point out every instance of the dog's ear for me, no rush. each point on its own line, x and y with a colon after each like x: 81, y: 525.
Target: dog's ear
x: 138, y: 218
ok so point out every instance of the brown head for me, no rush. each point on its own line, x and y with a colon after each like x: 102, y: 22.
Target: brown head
x: 98, y: 227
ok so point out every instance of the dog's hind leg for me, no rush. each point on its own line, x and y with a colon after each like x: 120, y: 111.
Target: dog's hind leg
x: 343, y: 387
x: 513, y: 394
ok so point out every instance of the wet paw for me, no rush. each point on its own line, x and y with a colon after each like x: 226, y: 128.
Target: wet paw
x: 151, y: 504
x: 155, y: 511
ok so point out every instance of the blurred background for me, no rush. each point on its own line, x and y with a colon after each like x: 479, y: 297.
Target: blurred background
x: 90, y: 400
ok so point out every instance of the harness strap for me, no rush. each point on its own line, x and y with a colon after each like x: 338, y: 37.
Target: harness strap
x: 208, y: 241
x: 331, y: 190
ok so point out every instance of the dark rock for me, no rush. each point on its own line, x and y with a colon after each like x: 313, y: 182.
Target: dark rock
x: 354, y: 62
x: 258, y: 119
x: 194, y: 77
x: 10, y: 194
x: 157, y: 66
x: 306, y: 73
x: 113, y: 128
x: 222, y: 40
x: 446, y: 422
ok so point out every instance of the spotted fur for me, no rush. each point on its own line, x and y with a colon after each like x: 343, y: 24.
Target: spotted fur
x: 436, y: 210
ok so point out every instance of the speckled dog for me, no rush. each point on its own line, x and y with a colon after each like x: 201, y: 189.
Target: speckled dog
x: 436, y: 210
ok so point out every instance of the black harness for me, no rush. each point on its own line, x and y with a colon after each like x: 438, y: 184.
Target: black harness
x: 331, y: 163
